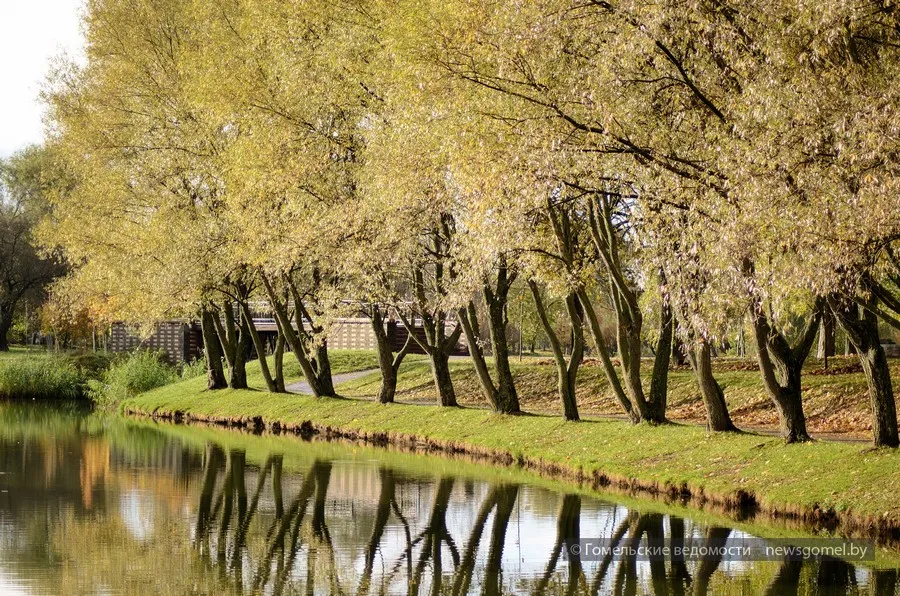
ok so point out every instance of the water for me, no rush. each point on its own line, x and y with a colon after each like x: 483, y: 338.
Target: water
x: 93, y: 505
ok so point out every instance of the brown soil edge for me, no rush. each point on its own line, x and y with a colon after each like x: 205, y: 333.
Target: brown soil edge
x: 741, y: 505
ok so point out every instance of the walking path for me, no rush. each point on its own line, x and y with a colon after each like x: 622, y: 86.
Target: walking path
x: 304, y: 388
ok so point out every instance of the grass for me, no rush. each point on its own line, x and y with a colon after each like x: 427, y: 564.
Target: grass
x: 859, y: 484
x: 836, y: 402
x: 342, y: 361
x: 37, y: 374
x: 40, y: 377
x: 134, y: 373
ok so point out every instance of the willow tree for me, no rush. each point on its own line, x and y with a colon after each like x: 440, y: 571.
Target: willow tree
x: 144, y: 217
x: 292, y: 168
x: 519, y: 70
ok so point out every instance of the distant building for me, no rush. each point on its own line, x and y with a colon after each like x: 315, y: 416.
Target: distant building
x: 183, y: 341
x: 178, y: 340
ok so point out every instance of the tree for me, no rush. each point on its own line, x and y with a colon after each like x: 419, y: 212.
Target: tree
x: 25, y: 270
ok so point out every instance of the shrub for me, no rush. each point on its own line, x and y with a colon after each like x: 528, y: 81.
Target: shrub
x: 40, y: 377
x: 134, y: 373
x: 91, y: 365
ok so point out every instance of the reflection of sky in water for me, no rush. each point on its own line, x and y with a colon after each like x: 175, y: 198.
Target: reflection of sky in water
x: 11, y: 586
x: 138, y: 509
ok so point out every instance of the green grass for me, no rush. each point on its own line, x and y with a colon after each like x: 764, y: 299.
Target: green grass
x: 342, y: 361
x: 834, y: 403
x: 40, y: 377
x: 849, y: 478
x: 133, y: 373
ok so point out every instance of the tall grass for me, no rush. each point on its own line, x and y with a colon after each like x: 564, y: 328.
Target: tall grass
x: 40, y: 377
x: 192, y: 370
x: 135, y: 373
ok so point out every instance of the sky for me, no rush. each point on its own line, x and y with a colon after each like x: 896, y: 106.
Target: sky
x: 31, y: 33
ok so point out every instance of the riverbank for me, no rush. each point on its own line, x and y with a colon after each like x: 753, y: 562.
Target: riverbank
x: 837, y: 486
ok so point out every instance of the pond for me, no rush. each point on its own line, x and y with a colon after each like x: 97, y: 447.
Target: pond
x: 100, y: 504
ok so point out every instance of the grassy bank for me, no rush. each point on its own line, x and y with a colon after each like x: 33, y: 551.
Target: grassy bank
x: 843, y: 484
x: 27, y: 375
x: 835, y: 400
x: 107, y: 378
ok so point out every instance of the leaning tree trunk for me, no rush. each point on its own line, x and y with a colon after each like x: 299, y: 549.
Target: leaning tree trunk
x: 506, y: 401
x: 628, y: 338
x: 717, y: 417
x: 293, y: 339
x: 862, y: 331
x: 566, y: 372
x: 250, y: 328
x: 321, y: 365
x: 388, y: 363
x: 215, y: 374
x: 609, y: 369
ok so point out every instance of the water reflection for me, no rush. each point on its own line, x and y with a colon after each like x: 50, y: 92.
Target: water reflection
x: 93, y: 505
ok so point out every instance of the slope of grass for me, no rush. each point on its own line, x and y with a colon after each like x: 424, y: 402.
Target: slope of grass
x: 836, y: 402
x: 859, y: 484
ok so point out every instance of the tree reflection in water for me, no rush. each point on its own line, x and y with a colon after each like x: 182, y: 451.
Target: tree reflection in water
x: 329, y: 519
x: 293, y: 548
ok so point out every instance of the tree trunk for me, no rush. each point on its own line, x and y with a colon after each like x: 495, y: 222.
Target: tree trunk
x: 468, y: 318
x: 239, y: 370
x: 717, y: 418
x: 6, y: 320
x: 629, y: 342
x: 215, y: 374
x: 278, y: 357
x: 567, y: 372
x: 388, y: 364
x: 881, y: 396
x: 827, y: 328
x: 234, y: 344
x: 862, y: 331
x: 659, y: 382
x: 438, y: 345
x: 250, y: 329
x: 776, y: 358
x: 440, y: 368
x: 609, y: 369
x: 292, y: 336
x: 322, y: 367
x: 497, y: 300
